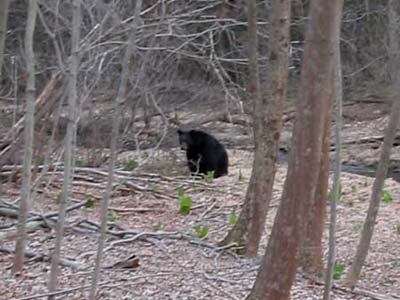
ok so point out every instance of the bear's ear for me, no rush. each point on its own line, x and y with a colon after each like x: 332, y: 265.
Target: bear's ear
x: 179, y: 131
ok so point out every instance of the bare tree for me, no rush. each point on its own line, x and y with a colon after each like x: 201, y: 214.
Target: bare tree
x: 68, y: 155
x: 114, y: 139
x: 311, y: 251
x: 3, y: 29
x: 25, y: 200
x: 278, y: 267
x: 338, y: 91
x: 384, y: 160
x: 268, y: 109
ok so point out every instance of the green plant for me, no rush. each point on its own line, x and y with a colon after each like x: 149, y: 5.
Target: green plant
x: 58, y: 198
x: 201, y: 231
x: 240, y: 178
x: 398, y: 229
x: 185, y: 202
x: 330, y: 194
x: 89, y: 203
x: 209, y: 177
x: 358, y: 227
x: 131, y: 165
x: 387, y: 197
x: 112, y: 216
x: 79, y: 163
x: 233, y: 217
x: 338, y: 270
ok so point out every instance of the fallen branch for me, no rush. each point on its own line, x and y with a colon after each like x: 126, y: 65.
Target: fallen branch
x: 43, y: 257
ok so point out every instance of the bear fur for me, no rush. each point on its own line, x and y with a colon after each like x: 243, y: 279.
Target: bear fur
x: 204, y: 153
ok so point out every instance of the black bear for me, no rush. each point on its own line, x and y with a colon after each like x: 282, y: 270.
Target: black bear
x: 203, y: 152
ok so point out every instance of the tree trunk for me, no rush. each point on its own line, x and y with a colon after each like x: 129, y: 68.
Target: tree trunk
x: 338, y: 91
x: 278, y: 267
x: 3, y: 30
x: 368, y: 228
x: 114, y: 140
x: 24, y: 204
x: 268, y: 110
x: 311, y: 251
x: 69, y: 148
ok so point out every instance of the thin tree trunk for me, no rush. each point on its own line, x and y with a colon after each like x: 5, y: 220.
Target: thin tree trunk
x: 240, y: 231
x: 268, y: 110
x: 338, y: 91
x: 278, y: 267
x: 69, y: 149
x: 25, y: 201
x: 3, y: 30
x: 114, y: 140
x: 311, y: 251
x: 390, y: 134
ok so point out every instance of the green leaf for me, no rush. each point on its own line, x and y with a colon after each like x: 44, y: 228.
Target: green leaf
x: 209, y: 177
x: 131, y: 165
x: 89, y: 203
x: 201, y: 231
x: 338, y: 270
x: 79, y: 163
x: 398, y: 229
x: 232, y: 217
x: 358, y: 227
x: 185, y: 204
x: 387, y: 197
x: 112, y: 216
x: 58, y: 198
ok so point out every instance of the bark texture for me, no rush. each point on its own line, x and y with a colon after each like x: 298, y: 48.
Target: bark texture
x: 278, y: 267
x: 338, y: 91
x: 267, y: 125
x: 311, y: 252
x: 25, y: 204
x: 69, y: 144
x: 3, y: 29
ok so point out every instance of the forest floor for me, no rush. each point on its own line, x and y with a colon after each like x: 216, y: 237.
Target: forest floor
x: 153, y: 251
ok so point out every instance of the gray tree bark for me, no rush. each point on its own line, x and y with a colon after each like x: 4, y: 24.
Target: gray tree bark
x: 25, y: 201
x: 3, y: 30
x: 390, y: 134
x: 114, y: 139
x: 69, y: 145
x: 338, y: 92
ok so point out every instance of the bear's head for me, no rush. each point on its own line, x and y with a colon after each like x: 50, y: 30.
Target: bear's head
x: 185, y: 139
